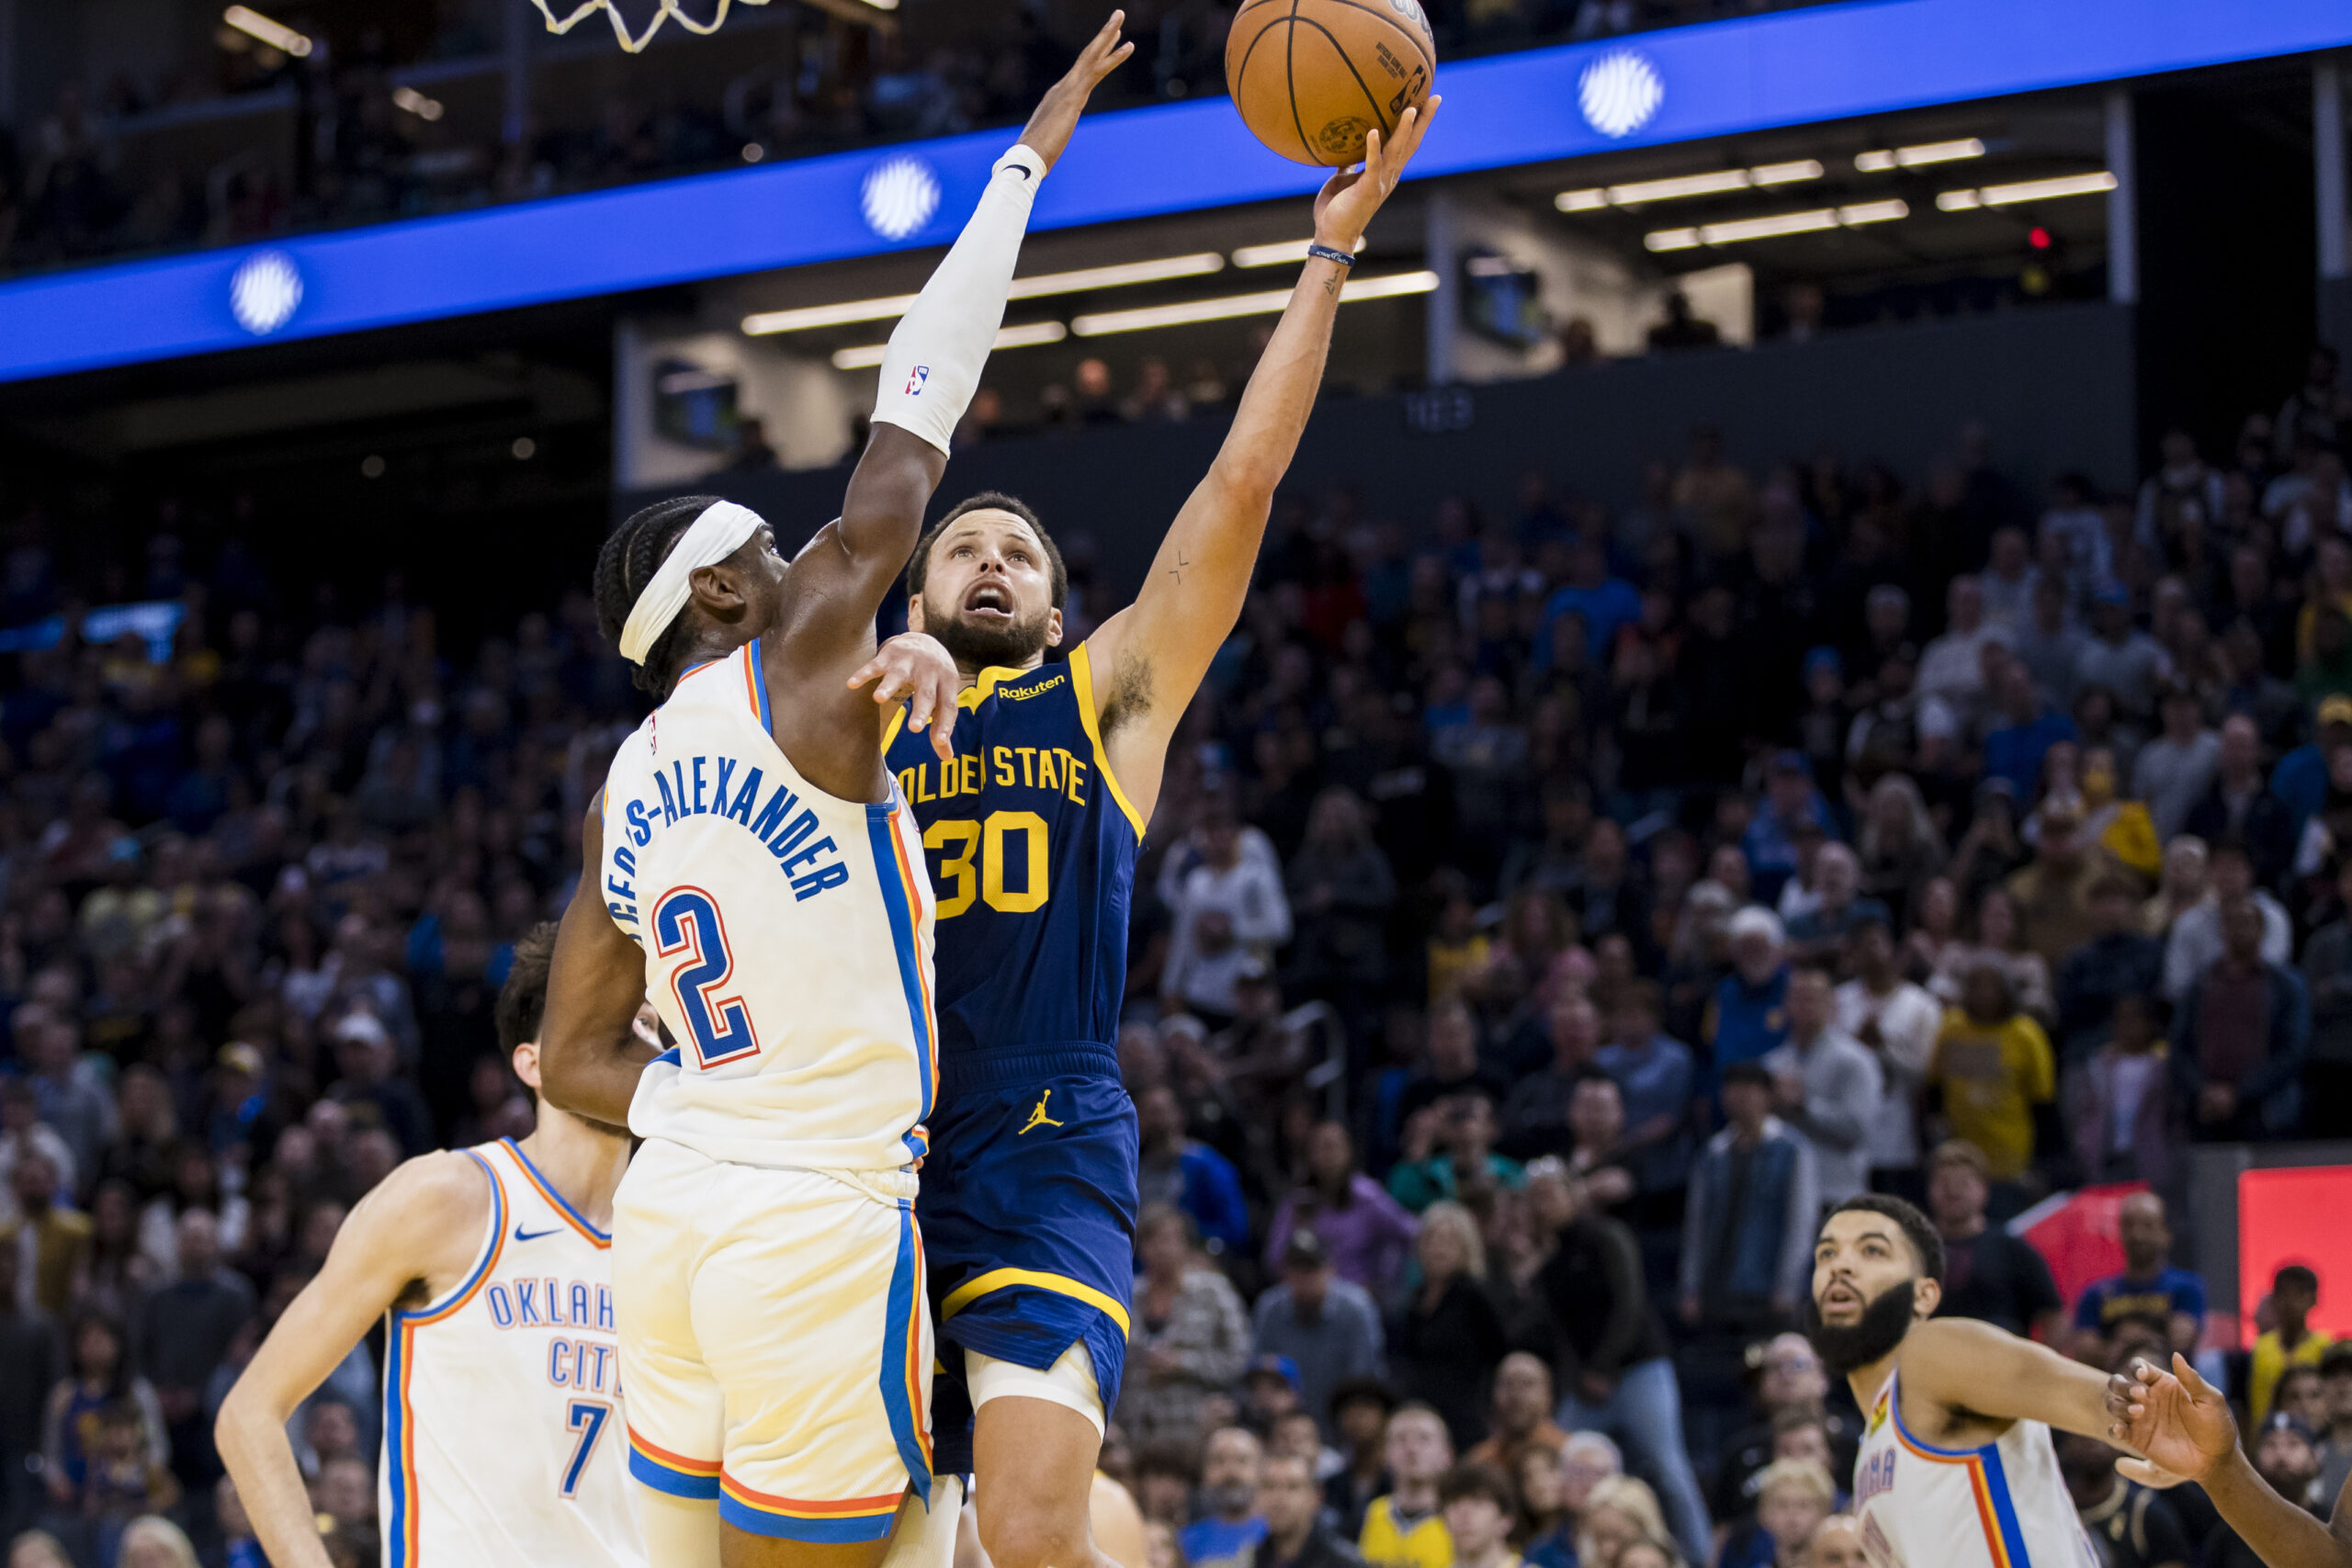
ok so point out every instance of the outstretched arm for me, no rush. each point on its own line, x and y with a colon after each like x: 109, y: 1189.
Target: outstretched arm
x: 589, y: 1055
x: 1151, y: 657
x: 1975, y: 1368
x: 422, y: 1222
x: 2183, y: 1424
x: 932, y: 366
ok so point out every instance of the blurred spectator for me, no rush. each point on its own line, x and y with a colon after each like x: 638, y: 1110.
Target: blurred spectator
x: 2176, y: 768
x: 47, y: 1232
x: 1448, y: 1334
x: 1360, y: 1411
x: 1481, y: 1511
x: 1406, y: 1529
x: 2327, y: 976
x: 2121, y: 660
x: 1749, y: 1016
x: 2116, y: 962
x: 1326, y: 1328
x: 1187, y: 1175
x: 1586, y: 1460
x: 184, y: 1332
x: 1535, y: 1117
x: 2289, y: 1341
x: 1190, y: 1336
x: 1623, y: 1513
x: 2243, y: 1030
x: 1289, y: 1504
x: 1616, y: 1368
x: 1793, y: 1498
x: 1747, y: 1243
x: 2240, y: 809
x: 1519, y: 1417
x: 1897, y: 1022
x: 31, y: 1360
x: 2149, y: 1285
x: 1462, y: 1128
x: 1826, y: 1087
x: 1989, y: 1274
x: 2123, y: 1104
x: 2336, y: 1448
x: 1229, y: 1526
x: 1992, y: 1069
x: 2051, y: 896
x: 1366, y: 1233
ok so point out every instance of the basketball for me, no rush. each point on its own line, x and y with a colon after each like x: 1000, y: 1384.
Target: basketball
x: 1312, y: 77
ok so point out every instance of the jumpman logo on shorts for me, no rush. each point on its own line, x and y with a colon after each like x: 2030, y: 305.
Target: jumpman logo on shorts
x: 1037, y: 1117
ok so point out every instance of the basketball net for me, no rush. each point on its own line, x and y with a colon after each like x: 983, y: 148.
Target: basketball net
x: 666, y: 9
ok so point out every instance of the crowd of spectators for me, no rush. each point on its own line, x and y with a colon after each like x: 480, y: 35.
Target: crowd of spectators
x: 1544, y: 916
x: 95, y: 171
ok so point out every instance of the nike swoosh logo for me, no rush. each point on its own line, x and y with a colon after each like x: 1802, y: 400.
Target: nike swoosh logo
x: 1021, y: 169
x: 522, y: 1235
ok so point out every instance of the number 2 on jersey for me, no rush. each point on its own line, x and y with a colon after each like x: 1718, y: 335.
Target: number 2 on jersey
x: 587, y: 1417
x: 686, y: 921
x: 987, y: 843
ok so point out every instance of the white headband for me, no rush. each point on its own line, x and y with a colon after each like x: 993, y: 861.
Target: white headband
x: 718, y: 533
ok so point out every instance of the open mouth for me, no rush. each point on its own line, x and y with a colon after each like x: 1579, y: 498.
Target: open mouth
x: 989, y: 602
x: 1840, y: 1298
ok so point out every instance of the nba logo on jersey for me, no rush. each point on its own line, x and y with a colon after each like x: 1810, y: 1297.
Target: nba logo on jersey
x: 915, y: 379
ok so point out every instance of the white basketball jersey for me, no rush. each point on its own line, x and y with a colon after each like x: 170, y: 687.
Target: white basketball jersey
x: 503, y: 1436
x: 787, y: 939
x: 2003, y: 1505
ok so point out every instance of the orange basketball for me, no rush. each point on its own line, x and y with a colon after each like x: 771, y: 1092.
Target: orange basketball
x: 1311, y: 77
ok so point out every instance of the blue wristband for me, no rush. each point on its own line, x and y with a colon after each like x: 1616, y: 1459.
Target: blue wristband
x: 1325, y: 253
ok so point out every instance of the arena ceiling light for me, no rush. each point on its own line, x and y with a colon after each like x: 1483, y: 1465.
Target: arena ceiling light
x: 1777, y: 226
x: 416, y: 103
x: 1117, y: 277
x: 865, y: 357
x: 1881, y: 160
x: 2027, y: 190
x: 808, y: 318
x: 276, y: 34
x: 1266, y: 303
x: 1713, y: 183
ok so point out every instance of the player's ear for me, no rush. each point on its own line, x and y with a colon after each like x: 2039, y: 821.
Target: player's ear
x: 526, y: 1064
x: 914, y: 611
x: 1927, y: 1295
x: 1053, y: 628
x: 717, y: 591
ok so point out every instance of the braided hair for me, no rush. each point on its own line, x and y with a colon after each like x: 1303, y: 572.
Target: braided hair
x: 632, y: 554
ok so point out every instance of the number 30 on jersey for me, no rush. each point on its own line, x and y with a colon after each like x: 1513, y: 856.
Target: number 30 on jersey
x: 1001, y: 859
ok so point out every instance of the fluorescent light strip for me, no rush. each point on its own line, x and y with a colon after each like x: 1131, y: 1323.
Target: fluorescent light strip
x: 1197, y: 265
x: 1879, y: 160
x: 1776, y: 226
x: 1262, y: 304
x: 2025, y: 190
x: 762, y: 323
x: 277, y: 35
x: 416, y: 103
x: 868, y: 355
x: 1713, y: 183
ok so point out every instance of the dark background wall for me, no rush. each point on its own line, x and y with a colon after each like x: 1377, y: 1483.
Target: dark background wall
x: 2053, y: 383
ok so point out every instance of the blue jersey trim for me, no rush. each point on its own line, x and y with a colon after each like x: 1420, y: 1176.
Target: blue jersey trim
x: 901, y: 1370
x: 399, y: 1526
x: 2005, y: 1507
x: 758, y: 679
x: 548, y: 1189
x: 898, y: 902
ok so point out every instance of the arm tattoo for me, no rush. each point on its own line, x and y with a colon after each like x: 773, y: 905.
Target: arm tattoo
x: 1331, y: 285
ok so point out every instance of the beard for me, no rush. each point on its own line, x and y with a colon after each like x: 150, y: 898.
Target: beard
x: 977, y: 645
x: 1884, y: 1324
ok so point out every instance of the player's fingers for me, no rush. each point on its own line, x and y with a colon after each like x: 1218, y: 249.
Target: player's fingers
x: 869, y: 671
x: 2199, y: 1389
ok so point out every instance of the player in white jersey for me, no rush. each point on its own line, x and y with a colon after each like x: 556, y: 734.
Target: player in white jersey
x: 751, y: 868
x: 1956, y: 1468
x: 491, y: 1267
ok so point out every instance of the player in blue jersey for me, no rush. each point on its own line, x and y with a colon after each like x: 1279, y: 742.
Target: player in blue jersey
x: 1028, y: 1200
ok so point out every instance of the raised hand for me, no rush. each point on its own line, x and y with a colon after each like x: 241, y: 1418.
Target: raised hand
x: 1343, y: 209
x: 1055, y: 115
x: 914, y: 667
x: 2176, y: 1420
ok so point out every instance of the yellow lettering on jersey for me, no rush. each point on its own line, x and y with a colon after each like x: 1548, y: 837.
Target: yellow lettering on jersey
x: 968, y: 772
x: 1074, y: 774
x: 1028, y: 756
x: 907, y: 782
x: 1004, y: 764
x: 1048, y: 777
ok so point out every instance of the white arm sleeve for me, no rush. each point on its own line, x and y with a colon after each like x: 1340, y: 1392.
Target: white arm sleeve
x: 932, y: 366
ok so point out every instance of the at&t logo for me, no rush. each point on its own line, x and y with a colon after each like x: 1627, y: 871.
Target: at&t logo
x: 1620, y: 93
x: 264, y: 291
x: 898, y: 196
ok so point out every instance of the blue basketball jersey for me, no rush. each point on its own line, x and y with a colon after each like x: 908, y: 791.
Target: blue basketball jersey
x: 1032, y: 848
x: 1028, y: 1201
